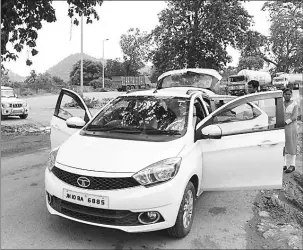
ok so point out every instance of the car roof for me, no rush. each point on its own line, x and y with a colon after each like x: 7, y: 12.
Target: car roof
x: 6, y: 88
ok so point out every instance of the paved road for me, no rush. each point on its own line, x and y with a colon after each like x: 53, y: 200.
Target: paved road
x: 42, y: 107
x: 220, y: 222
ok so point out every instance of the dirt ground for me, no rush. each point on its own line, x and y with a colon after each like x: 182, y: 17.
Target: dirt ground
x: 22, y: 139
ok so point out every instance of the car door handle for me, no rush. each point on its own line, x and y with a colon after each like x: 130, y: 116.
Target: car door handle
x: 267, y: 143
x: 56, y: 126
x: 257, y: 127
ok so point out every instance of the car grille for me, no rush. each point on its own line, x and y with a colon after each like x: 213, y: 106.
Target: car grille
x: 95, y: 215
x: 96, y: 183
x: 17, y: 105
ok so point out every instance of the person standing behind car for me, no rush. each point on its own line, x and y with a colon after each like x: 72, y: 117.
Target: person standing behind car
x: 291, y: 133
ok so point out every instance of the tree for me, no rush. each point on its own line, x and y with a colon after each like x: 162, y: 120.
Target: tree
x: 196, y: 33
x: 5, y: 81
x: 58, y: 81
x: 134, y: 45
x: 30, y: 81
x: 91, y: 70
x: 40, y: 81
x: 286, y: 34
x: 227, y: 71
x: 113, y: 68
x: 44, y: 81
x: 254, y: 44
x: 250, y: 62
x: 21, y: 19
x: 154, y: 74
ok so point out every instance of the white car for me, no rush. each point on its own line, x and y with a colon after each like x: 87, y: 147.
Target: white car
x: 11, y: 105
x: 140, y: 163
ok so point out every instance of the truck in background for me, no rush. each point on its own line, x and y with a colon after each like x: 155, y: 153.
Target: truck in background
x: 244, y: 82
x: 285, y: 80
x: 133, y: 82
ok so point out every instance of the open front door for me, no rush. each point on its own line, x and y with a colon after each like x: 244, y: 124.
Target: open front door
x: 249, y: 155
x: 69, y: 104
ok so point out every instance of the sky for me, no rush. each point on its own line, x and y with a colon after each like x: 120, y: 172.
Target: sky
x: 58, y: 40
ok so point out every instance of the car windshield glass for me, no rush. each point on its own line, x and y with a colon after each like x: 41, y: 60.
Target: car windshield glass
x: 7, y: 93
x: 237, y: 78
x: 188, y: 79
x: 278, y: 80
x: 143, y: 114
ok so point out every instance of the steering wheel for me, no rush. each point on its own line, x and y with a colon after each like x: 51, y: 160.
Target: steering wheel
x: 175, y: 123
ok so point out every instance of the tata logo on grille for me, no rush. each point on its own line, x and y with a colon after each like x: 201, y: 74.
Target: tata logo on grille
x: 83, y: 181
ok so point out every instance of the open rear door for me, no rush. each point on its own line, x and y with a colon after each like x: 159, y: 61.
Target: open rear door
x: 249, y: 154
x: 69, y: 104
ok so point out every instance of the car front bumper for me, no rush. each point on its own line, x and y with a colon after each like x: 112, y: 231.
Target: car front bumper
x: 124, y: 205
x: 14, y: 111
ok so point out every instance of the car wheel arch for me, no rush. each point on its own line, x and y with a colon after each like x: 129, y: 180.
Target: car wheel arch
x: 195, y: 181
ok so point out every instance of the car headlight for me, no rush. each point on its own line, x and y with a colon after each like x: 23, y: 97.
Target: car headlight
x: 158, y: 172
x: 5, y: 105
x: 52, y: 159
x: 24, y: 104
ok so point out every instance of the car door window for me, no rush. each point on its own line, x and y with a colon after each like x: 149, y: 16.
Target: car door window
x: 248, y: 117
x: 240, y: 113
x: 69, y: 106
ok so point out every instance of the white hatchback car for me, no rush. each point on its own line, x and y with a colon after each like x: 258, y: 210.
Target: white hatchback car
x: 140, y: 163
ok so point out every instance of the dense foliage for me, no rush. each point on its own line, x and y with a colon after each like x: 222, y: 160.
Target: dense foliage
x: 91, y: 70
x: 197, y: 33
x: 21, y: 20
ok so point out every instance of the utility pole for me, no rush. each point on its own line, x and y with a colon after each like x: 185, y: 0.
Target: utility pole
x: 81, y: 76
x: 103, y: 61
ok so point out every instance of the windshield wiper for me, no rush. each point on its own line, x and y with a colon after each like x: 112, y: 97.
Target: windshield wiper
x: 161, y: 132
x: 114, y: 129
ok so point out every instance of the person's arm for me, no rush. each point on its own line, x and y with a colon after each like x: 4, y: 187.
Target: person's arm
x: 294, y: 115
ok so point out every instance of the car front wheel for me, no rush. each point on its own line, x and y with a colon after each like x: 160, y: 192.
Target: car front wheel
x: 185, y: 215
x: 24, y: 116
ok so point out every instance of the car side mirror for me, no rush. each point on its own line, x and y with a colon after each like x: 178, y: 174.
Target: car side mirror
x: 75, y: 122
x: 212, y: 132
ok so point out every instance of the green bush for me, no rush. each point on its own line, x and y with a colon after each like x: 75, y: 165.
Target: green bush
x: 90, y: 103
x: 98, y: 83
x: 26, y: 93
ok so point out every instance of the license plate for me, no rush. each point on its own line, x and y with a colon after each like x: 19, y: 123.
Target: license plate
x: 17, y: 111
x: 86, y: 199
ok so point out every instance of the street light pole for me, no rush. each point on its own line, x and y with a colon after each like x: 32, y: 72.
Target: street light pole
x: 81, y: 74
x: 103, y: 62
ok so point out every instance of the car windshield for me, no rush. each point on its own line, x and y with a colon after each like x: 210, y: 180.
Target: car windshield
x: 188, y: 79
x: 278, y: 80
x: 236, y: 78
x: 7, y: 93
x: 143, y: 115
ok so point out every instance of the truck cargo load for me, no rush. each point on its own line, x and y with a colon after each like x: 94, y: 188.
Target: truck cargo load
x: 244, y: 82
x: 285, y: 80
x: 134, y: 82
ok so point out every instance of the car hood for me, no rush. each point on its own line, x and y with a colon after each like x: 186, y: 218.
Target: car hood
x: 11, y: 100
x: 115, y: 155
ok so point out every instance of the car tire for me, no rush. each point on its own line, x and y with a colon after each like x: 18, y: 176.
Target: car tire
x: 3, y: 117
x: 185, y: 216
x: 23, y: 116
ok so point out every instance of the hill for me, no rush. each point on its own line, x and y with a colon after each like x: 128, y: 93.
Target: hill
x: 15, y: 77
x: 64, y: 67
